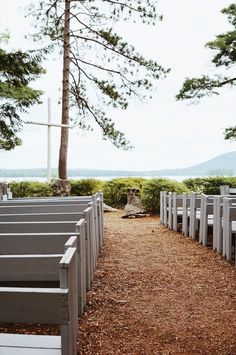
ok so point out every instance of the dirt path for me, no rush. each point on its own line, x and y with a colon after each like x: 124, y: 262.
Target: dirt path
x: 157, y: 292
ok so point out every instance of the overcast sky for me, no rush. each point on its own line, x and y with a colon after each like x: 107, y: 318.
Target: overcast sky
x: 165, y: 133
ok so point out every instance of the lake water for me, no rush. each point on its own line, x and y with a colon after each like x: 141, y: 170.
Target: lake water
x: 102, y: 178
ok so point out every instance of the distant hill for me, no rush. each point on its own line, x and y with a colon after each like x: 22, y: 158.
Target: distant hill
x: 224, y: 164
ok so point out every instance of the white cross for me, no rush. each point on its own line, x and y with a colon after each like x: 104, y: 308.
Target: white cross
x: 49, y: 124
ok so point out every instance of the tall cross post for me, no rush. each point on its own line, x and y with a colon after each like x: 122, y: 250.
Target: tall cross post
x: 49, y: 124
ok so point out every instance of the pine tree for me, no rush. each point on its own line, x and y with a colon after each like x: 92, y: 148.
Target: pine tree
x: 17, y: 70
x: 225, y: 47
x: 101, y: 70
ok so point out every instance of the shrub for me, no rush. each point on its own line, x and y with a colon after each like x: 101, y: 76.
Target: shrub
x: 151, y: 192
x: 209, y: 185
x: 85, y: 187
x: 30, y: 189
x: 115, y: 191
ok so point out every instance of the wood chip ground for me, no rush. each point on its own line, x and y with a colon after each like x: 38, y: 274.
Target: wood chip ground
x: 157, y: 292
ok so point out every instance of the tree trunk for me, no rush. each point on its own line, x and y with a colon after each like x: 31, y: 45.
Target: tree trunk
x: 62, y: 167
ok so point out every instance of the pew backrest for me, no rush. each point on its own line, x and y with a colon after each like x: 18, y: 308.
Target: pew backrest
x: 42, y: 217
x: 45, y: 306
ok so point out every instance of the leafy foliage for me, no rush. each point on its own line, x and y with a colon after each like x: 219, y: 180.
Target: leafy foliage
x: 225, y: 43
x: 30, y: 189
x: 17, y: 70
x: 115, y: 191
x: 225, y: 47
x: 152, y: 188
x: 85, y: 187
x: 230, y: 133
x: 209, y: 185
x: 105, y: 70
x: 196, y: 88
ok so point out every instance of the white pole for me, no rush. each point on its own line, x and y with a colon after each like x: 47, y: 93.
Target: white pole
x: 49, y: 124
x: 49, y: 141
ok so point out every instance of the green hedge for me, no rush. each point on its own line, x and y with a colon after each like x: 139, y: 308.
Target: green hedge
x: 209, y: 185
x: 30, y: 189
x: 151, y: 192
x: 85, y: 187
x: 115, y: 191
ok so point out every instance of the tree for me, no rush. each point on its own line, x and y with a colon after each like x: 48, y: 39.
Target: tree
x: 104, y: 70
x: 225, y: 57
x: 17, y: 70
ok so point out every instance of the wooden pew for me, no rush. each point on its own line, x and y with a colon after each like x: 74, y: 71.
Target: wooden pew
x: 43, y: 306
x: 206, y: 218
x: 225, y: 190
x: 39, y: 217
x: 175, y: 206
x: 40, y: 223
x: 186, y: 214
x: 229, y: 228
x: 218, y: 222
x: 168, y: 209
x: 51, y: 243
x: 162, y: 207
x: 194, y: 214
x: 32, y: 268
x: 54, y: 212
x: 199, y: 212
x: 177, y: 210
x: 95, y: 201
x: 53, y: 217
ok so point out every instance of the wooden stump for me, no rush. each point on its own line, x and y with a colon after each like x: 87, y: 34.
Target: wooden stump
x: 134, y: 207
x: 61, y: 188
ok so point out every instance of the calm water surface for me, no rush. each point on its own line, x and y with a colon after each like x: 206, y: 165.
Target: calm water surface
x: 103, y: 178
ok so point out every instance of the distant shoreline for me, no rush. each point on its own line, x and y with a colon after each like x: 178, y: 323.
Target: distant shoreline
x: 102, y: 178
x: 222, y: 165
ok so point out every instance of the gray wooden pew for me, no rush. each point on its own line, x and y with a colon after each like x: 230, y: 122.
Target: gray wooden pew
x: 164, y: 208
x: 95, y: 224
x: 177, y: 210
x: 96, y: 198
x: 37, y: 227
x: 95, y: 201
x: 45, y: 212
x: 199, y: 212
x: 168, y: 209
x: 206, y: 218
x: 218, y: 222
x: 161, y: 207
x: 35, y: 223
x: 186, y: 214
x: 49, y: 216
x: 34, y: 268
x: 172, y: 207
x: 43, y: 306
x: 53, y: 243
x: 38, y: 217
x: 194, y: 214
x: 225, y: 190
x: 45, y: 208
x: 229, y: 228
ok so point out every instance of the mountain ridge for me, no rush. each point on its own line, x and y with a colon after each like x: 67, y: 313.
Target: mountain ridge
x: 224, y: 164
